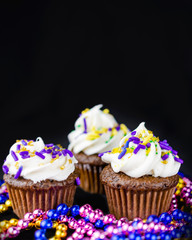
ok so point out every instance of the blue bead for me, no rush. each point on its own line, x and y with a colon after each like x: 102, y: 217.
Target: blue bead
x: 165, y: 236
x: 177, y: 214
x: 134, y: 223
x: 150, y: 236
x: 52, y: 214
x: 134, y: 236
x: 187, y: 217
x: 99, y: 223
x: 86, y: 219
x: 62, y: 209
x: 3, y: 199
x: 175, y: 233
x: 152, y: 218
x: 39, y: 234
x: 115, y: 237
x: 74, y: 210
x: 46, y: 224
x: 165, y: 218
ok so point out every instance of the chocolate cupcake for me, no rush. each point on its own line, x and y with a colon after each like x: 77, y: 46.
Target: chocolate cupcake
x: 95, y: 131
x: 39, y: 176
x: 142, y: 176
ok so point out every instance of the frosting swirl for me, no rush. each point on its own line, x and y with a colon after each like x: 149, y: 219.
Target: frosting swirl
x: 95, y: 131
x: 37, y: 161
x: 141, y: 153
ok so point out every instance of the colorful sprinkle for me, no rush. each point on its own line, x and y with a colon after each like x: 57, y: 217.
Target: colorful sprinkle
x: 77, y: 180
x: 178, y: 160
x: 165, y: 156
x: 24, y: 142
x: 18, y: 147
x: 85, y: 125
x: 18, y: 173
x: 133, y: 133
x: 122, y: 153
x: 13, y: 154
x: 66, y: 151
x: 40, y: 155
x: 5, y: 169
x: 140, y: 146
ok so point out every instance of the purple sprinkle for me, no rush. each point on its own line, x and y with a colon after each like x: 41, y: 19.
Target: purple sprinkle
x: 101, y: 154
x: 148, y: 145
x: 165, y: 146
x: 133, y: 133
x: 110, y: 129
x: 18, y: 147
x: 118, y: 128
x: 122, y: 153
x: 24, y: 143
x: 135, y: 140
x: 18, y: 173
x: 178, y: 160
x: 24, y: 154
x: 140, y: 146
x: 13, y: 154
x: 85, y: 125
x: 174, y: 152
x: 77, y: 180
x: 66, y: 151
x: 48, y: 151
x: 49, y: 145
x: 40, y: 155
x: 164, y: 157
x: 5, y: 169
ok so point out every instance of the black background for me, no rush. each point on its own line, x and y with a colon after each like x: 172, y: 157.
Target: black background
x: 57, y: 59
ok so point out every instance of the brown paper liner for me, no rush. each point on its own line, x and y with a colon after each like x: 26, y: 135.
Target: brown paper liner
x: 89, y: 175
x: 132, y: 204
x: 27, y: 200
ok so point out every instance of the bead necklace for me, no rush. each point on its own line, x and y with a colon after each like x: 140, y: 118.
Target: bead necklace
x: 86, y: 223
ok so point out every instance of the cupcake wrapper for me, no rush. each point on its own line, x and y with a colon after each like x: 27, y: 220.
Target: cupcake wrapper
x: 27, y: 200
x: 132, y: 204
x: 89, y: 175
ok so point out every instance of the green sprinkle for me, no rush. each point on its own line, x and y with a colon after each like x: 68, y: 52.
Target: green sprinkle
x: 79, y: 125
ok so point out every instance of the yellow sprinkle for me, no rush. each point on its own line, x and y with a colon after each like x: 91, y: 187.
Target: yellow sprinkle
x: 92, y: 136
x: 147, y: 138
x: 116, y: 150
x: 114, y: 132
x: 106, y: 110
x: 150, y: 132
x: 59, y: 145
x: 70, y: 161
x: 17, y: 165
x: 164, y: 162
x: 62, y: 167
x: 30, y: 143
x: 124, y: 128
x: 148, y: 151
x: 84, y: 111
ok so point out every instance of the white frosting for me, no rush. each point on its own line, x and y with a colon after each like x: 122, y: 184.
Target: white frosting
x: 146, y: 161
x: 95, y: 131
x: 56, y: 167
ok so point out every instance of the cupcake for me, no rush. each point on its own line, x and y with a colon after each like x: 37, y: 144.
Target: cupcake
x: 95, y: 131
x: 142, y: 175
x: 39, y: 175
